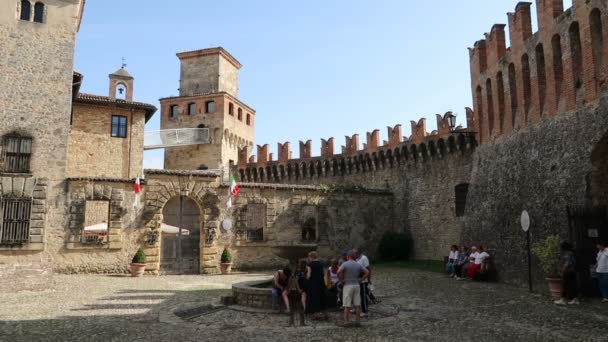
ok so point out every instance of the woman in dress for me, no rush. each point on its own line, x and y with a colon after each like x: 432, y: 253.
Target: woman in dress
x: 315, y: 293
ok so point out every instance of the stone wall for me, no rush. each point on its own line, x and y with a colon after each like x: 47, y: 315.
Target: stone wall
x: 544, y: 169
x: 93, y: 152
x: 37, y: 60
x: 343, y: 220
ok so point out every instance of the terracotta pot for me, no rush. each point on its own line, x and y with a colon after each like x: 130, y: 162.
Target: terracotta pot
x: 226, y: 268
x: 555, y: 286
x: 137, y: 270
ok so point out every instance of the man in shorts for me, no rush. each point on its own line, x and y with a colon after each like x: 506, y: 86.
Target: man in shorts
x: 351, y: 274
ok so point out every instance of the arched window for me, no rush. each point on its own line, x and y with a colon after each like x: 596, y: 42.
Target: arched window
x: 201, y: 126
x: 39, y: 12
x: 597, y: 43
x: 558, y: 67
x: 230, y: 108
x: 542, y: 77
x: 501, y: 100
x: 513, y: 94
x: 576, y: 54
x: 525, y: 72
x: 240, y: 114
x: 121, y: 91
x: 210, y: 107
x: 480, y: 112
x: 248, y: 121
x: 490, y: 99
x: 26, y: 10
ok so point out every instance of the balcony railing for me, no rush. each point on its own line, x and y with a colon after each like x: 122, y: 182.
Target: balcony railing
x: 176, y: 137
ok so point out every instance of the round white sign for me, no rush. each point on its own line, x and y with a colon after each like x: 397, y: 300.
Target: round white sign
x: 525, y: 220
x: 227, y: 224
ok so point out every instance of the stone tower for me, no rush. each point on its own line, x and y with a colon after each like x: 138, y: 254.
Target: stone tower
x: 37, y: 63
x: 37, y: 86
x: 208, y: 98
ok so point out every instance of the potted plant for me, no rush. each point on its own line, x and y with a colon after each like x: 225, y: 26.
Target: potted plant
x: 138, y: 264
x: 226, y: 261
x: 548, y: 253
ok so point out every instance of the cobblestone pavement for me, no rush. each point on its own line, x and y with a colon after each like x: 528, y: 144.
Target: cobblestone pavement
x: 416, y: 306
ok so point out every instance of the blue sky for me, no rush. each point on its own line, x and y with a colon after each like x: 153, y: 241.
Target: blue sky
x: 312, y: 69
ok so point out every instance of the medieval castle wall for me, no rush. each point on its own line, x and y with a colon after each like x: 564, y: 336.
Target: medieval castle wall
x: 542, y: 123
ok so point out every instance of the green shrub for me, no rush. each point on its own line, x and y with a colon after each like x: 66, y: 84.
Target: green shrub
x: 140, y: 257
x: 226, y: 256
x: 548, y: 252
x: 395, y: 246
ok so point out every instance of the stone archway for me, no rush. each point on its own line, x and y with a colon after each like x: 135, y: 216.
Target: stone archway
x: 180, y: 248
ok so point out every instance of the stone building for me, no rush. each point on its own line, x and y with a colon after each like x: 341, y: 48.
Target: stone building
x: 536, y: 139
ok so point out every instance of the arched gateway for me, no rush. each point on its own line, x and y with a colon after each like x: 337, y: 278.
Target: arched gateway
x: 188, y: 200
x: 180, y: 236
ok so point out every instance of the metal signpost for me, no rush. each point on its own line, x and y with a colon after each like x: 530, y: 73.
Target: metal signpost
x: 525, y: 225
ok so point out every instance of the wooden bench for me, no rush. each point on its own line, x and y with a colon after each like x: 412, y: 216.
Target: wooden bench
x: 487, y: 272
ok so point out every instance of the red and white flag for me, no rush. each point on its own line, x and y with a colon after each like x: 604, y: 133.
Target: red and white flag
x: 136, y: 190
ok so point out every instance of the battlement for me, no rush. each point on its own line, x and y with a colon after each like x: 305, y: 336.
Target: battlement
x: 558, y: 69
x: 420, y: 146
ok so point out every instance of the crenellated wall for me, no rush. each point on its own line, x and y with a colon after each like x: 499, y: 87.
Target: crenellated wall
x: 422, y: 171
x: 328, y: 167
x: 558, y: 69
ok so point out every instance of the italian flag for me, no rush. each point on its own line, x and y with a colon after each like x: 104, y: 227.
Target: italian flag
x: 234, y: 188
x: 232, y: 191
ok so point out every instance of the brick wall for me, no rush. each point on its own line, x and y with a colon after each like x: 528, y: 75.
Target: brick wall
x: 93, y: 152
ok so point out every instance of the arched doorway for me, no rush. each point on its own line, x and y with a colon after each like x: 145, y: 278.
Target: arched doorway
x: 180, y: 247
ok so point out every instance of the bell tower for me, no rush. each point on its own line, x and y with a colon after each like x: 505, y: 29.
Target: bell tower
x: 121, y: 84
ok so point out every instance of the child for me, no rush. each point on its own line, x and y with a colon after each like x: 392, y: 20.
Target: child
x: 294, y: 293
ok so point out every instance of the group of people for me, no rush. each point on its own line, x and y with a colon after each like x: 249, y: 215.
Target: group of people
x: 465, y: 263
x: 568, y: 269
x: 306, y: 290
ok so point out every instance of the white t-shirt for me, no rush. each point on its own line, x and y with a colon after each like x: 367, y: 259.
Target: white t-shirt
x: 363, y: 261
x: 602, y: 261
x: 474, y: 255
x: 453, y: 255
x: 480, y: 257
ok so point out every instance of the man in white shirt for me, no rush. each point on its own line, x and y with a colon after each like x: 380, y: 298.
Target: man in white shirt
x: 602, y: 270
x: 363, y: 261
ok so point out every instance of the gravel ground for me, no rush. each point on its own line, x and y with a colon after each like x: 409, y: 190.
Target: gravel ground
x: 416, y: 306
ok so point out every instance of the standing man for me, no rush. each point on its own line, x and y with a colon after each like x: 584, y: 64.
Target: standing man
x: 602, y: 269
x: 364, y: 262
x: 351, y: 274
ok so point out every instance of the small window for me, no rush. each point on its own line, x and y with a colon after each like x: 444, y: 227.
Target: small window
x: 96, y: 220
x: 15, y: 224
x: 255, y: 219
x: 248, y: 121
x: 230, y: 108
x: 210, y: 107
x: 119, y: 126
x: 39, y: 12
x: 461, y: 191
x: 240, y: 116
x: 192, y: 109
x: 201, y: 126
x: 173, y: 111
x: 26, y: 10
x: 17, y: 153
